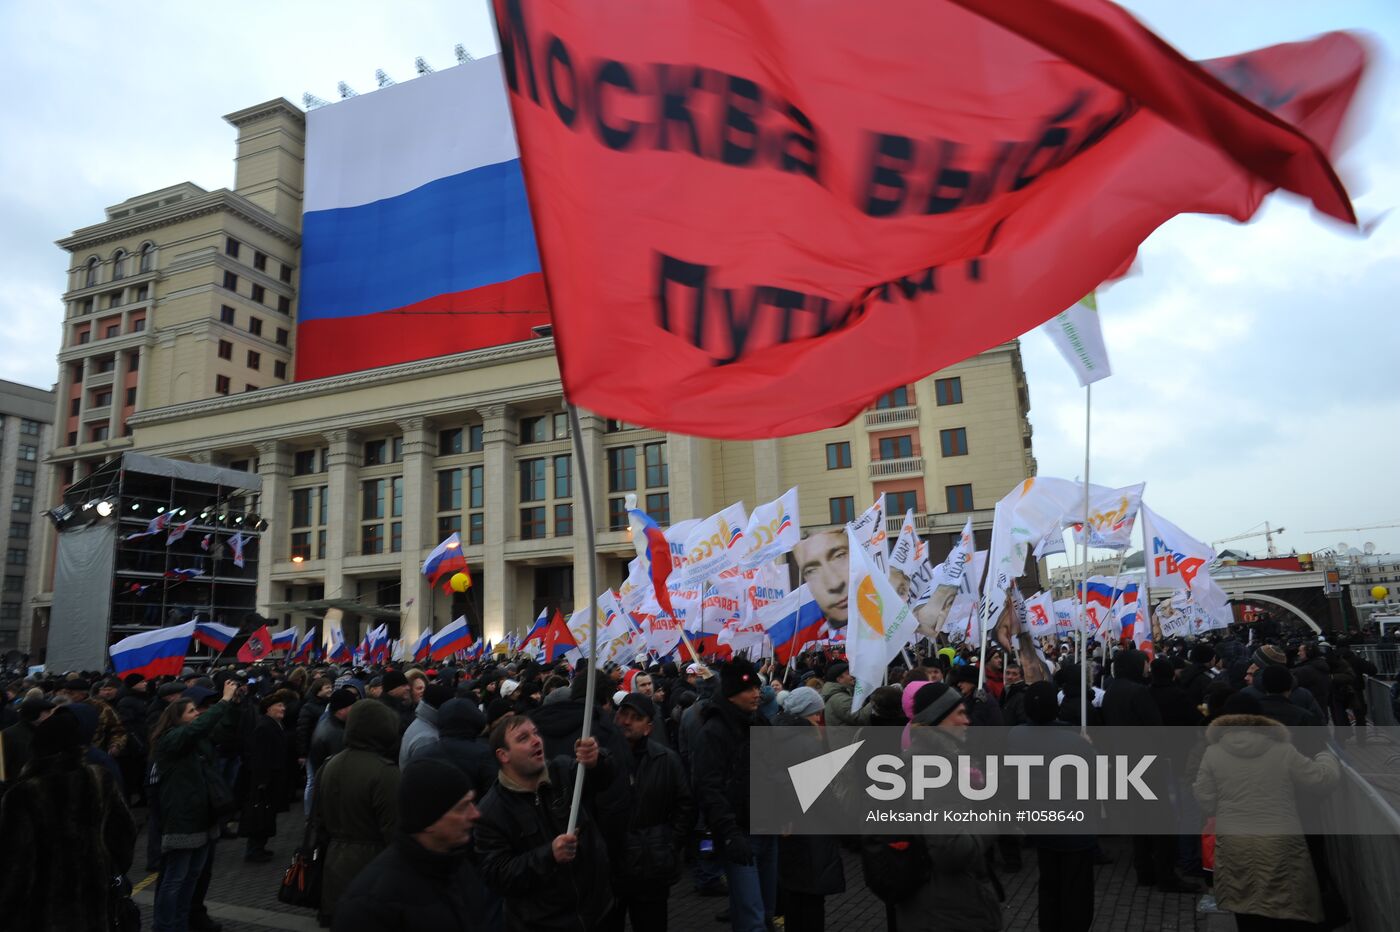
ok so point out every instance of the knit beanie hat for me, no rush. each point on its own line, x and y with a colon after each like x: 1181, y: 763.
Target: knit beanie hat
x: 737, y: 676
x: 933, y: 703
x: 393, y: 680
x: 1267, y: 654
x: 343, y: 698
x: 802, y: 702
x: 427, y: 789
x: 629, y: 680
x: 1041, y: 703
x: 436, y: 694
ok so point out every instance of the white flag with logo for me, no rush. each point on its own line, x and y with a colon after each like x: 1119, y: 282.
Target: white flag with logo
x: 1066, y: 616
x: 1040, y: 614
x: 714, y: 545
x: 772, y: 530
x: 904, y: 556
x: 1176, y: 558
x: 880, y: 622
x: 1077, y: 335
x: 869, y: 531
x: 1111, y: 516
x: 1023, y: 517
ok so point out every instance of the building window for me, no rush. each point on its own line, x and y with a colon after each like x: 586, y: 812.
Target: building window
x: 31, y: 428
x: 90, y: 278
x: 449, y: 496
x: 897, y: 503
x: 99, y: 432
x: 14, y: 583
x: 450, y: 441
x: 893, y: 448
x: 255, y: 326
x: 960, y: 497
x: 114, y: 299
x: 258, y: 293
x: 532, y: 523
x: 948, y: 391
x: 259, y: 261
x: 72, y: 439
x: 134, y: 362
x: 254, y: 359
x: 376, y: 453
x: 658, y: 473
x: 622, y: 469
x: 395, y: 536
x: 106, y: 364
x: 28, y: 451
x: 303, y: 507
x: 230, y: 281
x: 371, y: 499
x: 954, y: 441
x: 563, y: 476
x: 532, y: 480
x: 22, y: 503
x: 301, y: 545
x: 282, y: 336
x: 102, y: 398
x: 306, y: 462
x: 24, y: 477
x: 476, y: 486
x: 249, y: 387
x: 561, y: 426
x: 119, y: 264
x: 284, y: 304
x: 448, y: 525
x: 617, y: 514
x: 532, y: 430
x: 476, y: 529
x: 74, y: 404
x: 112, y: 331
x: 372, y: 539
x: 225, y: 314
x: 221, y: 384
x: 659, y: 507
x: 84, y: 336
x: 475, y: 438
x: 138, y: 325
x: 838, y: 455
x: 148, y: 255
x: 279, y: 369
x: 616, y: 426
x: 563, y: 520
x: 231, y: 246
x: 396, y: 449
x: 286, y: 273
x: 899, y: 398
x: 14, y: 556
x: 842, y: 509
x: 131, y: 395
x: 396, y: 497
x: 86, y: 306
x: 19, y: 530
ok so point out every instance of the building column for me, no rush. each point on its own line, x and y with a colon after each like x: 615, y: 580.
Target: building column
x: 592, y: 429
x: 767, y: 474
x: 499, y: 435
x: 419, y: 536
x: 687, y: 461
x: 274, y: 466
x: 342, y: 514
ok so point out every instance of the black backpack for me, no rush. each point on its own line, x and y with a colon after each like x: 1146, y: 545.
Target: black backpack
x: 895, y: 866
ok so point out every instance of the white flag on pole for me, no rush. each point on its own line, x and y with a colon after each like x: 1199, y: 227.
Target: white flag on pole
x: 714, y: 545
x: 1079, y: 338
x: 1176, y: 558
x: 880, y: 622
x: 772, y: 530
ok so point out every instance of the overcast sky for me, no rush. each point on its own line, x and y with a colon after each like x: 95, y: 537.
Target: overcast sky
x: 1257, y: 367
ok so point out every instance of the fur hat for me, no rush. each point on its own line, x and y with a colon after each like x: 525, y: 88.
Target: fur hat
x: 737, y: 676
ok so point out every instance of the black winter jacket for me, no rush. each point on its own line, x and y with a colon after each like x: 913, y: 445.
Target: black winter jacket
x: 662, y: 816
x: 460, y: 744
x: 720, y: 767
x: 513, y: 839
x: 406, y: 887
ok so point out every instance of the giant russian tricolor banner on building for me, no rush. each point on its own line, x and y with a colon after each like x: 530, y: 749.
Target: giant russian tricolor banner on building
x: 416, y: 237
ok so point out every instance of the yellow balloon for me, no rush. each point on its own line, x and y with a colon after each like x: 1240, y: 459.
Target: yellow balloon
x: 460, y: 582
x: 1379, y: 593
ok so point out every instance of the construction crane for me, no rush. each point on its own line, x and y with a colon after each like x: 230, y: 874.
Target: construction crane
x: 1369, y: 527
x: 1268, y: 534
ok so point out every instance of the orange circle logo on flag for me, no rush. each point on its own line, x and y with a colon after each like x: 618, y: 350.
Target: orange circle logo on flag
x: 869, y: 605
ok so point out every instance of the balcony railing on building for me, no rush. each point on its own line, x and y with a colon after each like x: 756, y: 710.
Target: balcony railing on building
x: 891, y: 417
x: 903, y: 467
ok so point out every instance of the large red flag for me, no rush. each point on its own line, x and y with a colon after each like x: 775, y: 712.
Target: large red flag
x: 755, y: 217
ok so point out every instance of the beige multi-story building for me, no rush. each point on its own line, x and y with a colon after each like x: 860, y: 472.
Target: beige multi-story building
x: 364, y: 473
x: 26, y: 436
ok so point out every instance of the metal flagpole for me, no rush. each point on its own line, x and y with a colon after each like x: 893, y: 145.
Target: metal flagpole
x: 591, y: 685
x: 1084, y: 577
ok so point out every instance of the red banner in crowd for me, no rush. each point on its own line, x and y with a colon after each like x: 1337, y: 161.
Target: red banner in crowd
x: 755, y: 217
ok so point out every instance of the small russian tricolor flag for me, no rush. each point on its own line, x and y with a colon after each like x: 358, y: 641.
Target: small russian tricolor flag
x: 153, y: 653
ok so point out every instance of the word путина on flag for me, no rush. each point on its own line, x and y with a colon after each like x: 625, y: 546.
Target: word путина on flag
x: 729, y: 202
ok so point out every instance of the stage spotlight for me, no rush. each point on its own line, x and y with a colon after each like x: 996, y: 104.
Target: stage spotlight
x: 104, y: 508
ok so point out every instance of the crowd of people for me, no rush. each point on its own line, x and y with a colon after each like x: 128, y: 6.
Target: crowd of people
x: 439, y: 796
